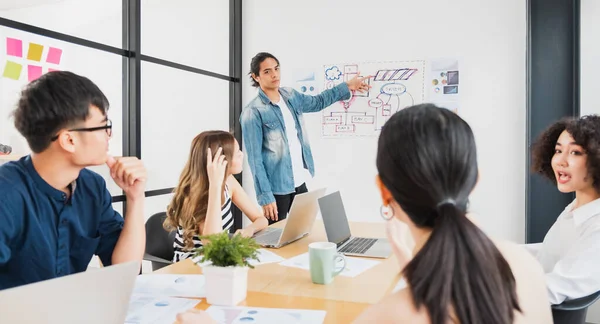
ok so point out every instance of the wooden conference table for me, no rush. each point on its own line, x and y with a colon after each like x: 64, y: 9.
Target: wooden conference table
x: 277, y: 286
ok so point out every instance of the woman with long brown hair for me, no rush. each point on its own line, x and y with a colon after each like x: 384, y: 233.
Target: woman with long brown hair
x: 202, y: 201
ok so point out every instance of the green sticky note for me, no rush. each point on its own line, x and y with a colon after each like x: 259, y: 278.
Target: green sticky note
x: 35, y: 52
x: 12, y: 70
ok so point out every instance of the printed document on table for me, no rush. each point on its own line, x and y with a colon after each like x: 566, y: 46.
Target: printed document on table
x: 235, y: 315
x: 354, y: 266
x: 170, y: 285
x: 148, y: 309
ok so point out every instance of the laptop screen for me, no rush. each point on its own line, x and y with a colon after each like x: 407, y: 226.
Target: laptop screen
x: 334, y: 217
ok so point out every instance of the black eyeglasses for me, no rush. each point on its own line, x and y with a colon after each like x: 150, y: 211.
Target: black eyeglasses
x: 107, y: 127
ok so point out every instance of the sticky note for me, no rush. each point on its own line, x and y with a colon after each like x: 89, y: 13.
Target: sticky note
x: 12, y: 70
x: 51, y: 69
x: 14, y: 47
x: 54, y: 55
x: 35, y: 52
x: 33, y: 72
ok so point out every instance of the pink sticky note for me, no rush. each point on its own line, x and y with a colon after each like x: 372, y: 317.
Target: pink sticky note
x: 33, y: 72
x: 51, y: 69
x: 54, y: 55
x: 14, y: 47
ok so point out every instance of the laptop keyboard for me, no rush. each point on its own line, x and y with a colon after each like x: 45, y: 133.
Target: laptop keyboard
x: 358, y: 245
x: 269, y: 237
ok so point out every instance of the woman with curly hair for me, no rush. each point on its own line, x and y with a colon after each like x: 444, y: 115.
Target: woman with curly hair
x: 202, y: 201
x: 568, y: 153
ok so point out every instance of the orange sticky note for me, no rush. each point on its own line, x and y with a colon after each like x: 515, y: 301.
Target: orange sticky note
x: 35, y: 52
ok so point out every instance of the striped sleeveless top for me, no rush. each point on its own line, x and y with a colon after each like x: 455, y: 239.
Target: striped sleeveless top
x: 226, y: 215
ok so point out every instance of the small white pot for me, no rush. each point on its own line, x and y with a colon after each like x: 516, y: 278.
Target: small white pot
x: 225, y: 286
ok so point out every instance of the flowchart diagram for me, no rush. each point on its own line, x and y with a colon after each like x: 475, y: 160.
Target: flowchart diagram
x: 394, y: 86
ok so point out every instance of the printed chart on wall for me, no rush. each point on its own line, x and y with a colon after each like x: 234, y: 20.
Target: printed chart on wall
x: 394, y: 86
x: 442, y: 83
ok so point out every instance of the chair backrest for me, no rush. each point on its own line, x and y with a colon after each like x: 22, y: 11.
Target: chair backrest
x: 573, y: 311
x: 159, y: 242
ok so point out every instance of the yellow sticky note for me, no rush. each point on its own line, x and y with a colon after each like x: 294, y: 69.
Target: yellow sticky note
x: 35, y: 52
x: 12, y: 70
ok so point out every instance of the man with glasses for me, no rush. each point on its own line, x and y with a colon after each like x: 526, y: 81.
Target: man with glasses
x: 54, y: 213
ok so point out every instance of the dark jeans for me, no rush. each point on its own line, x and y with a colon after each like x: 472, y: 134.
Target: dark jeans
x: 284, y: 202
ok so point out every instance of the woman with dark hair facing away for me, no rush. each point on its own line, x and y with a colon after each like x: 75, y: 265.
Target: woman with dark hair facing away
x: 202, y: 201
x: 568, y: 153
x: 427, y: 165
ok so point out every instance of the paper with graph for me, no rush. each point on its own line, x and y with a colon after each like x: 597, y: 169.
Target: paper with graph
x: 174, y: 285
x: 234, y: 315
x: 152, y: 309
x: 395, y: 85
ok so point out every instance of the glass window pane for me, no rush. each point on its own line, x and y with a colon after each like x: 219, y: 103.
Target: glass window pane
x: 17, y: 70
x: 118, y: 206
x: 176, y: 106
x: 98, y: 21
x: 156, y: 204
x: 190, y: 32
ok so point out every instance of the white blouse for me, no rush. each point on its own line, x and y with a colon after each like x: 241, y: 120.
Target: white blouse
x: 570, y: 253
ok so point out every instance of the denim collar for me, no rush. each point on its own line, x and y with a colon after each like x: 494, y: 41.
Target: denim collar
x: 264, y: 98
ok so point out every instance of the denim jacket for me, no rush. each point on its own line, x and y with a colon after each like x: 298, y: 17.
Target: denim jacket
x: 267, y: 147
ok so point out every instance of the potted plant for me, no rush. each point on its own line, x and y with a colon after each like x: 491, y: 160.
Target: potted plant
x: 226, y: 273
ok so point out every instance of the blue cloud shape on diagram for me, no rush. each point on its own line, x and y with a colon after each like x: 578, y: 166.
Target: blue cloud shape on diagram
x: 333, y: 73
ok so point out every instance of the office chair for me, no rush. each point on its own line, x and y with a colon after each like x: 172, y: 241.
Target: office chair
x: 159, y: 242
x: 573, y: 311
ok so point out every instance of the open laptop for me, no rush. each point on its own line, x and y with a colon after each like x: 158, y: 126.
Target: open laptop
x: 92, y: 297
x: 299, y: 222
x: 338, y: 231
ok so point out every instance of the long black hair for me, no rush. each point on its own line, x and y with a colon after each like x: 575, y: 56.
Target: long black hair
x: 428, y: 161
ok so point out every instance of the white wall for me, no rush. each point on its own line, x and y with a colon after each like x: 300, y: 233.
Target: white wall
x: 178, y: 105
x: 590, y: 54
x: 490, y: 43
x: 590, y: 69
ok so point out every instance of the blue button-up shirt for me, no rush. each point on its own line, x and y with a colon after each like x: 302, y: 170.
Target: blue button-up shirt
x: 43, y: 233
x: 263, y: 130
